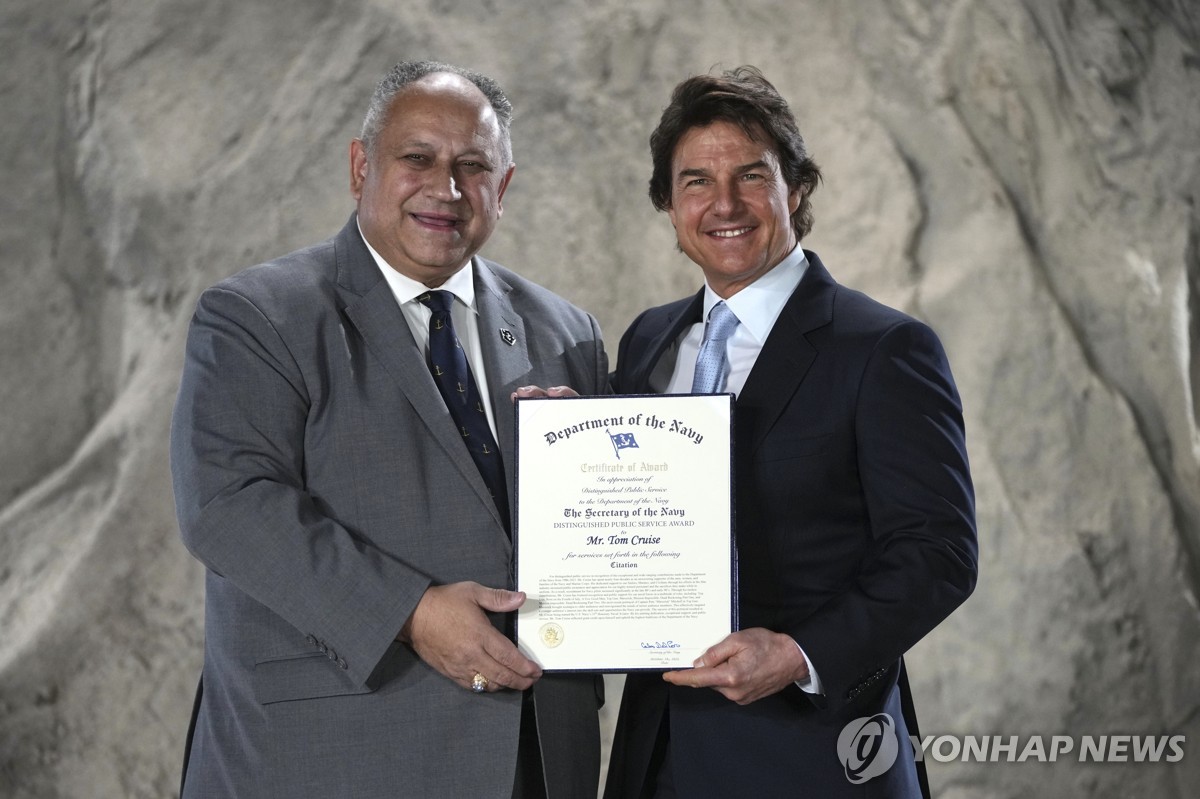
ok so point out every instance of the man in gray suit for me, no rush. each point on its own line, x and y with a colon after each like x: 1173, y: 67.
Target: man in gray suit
x: 352, y: 517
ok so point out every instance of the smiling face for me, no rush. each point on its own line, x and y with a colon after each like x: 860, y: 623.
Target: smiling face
x: 429, y: 192
x: 730, y: 205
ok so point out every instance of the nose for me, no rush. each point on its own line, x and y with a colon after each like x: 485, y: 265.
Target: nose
x: 726, y: 201
x: 442, y: 185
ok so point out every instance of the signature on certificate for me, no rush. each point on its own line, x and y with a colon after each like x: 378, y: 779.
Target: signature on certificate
x: 659, y: 645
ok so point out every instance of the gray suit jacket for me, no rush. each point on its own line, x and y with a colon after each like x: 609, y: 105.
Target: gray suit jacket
x: 319, y: 477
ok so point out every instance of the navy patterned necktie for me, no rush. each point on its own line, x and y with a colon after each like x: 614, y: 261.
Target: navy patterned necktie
x: 452, y: 374
x: 712, y: 365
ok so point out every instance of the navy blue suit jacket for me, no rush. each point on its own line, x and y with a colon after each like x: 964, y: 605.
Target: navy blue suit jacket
x: 855, y: 535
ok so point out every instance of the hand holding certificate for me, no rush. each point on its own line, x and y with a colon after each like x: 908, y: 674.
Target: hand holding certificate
x: 624, y: 530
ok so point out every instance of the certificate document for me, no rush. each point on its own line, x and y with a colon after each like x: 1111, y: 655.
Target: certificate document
x: 623, y: 530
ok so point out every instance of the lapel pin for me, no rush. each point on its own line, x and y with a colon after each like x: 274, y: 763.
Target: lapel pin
x: 507, y: 336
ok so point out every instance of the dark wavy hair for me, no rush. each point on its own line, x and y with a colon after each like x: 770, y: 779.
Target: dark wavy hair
x: 743, y: 97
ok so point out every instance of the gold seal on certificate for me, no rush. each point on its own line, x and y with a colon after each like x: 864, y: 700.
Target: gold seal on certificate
x: 624, y: 530
x: 552, y: 634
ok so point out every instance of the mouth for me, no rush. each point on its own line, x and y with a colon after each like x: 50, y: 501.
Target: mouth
x: 436, y: 221
x: 732, y: 233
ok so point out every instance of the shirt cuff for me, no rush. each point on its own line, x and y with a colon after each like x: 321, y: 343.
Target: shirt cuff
x: 811, y: 685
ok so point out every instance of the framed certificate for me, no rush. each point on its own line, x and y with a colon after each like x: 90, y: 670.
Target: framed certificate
x: 624, y: 530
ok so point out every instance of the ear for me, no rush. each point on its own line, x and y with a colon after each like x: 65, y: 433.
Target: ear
x: 671, y: 214
x: 503, y: 188
x: 794, y: 200
x: 358, y: 168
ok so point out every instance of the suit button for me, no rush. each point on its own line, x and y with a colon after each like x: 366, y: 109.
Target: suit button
x: 342, y: 663
x: 312, y: 639
x: 331, y: 654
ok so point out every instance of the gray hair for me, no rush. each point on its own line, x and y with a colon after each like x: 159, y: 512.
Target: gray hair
x: 407, y: 72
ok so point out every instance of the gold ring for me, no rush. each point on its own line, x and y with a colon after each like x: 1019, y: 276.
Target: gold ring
x: 479, y: 683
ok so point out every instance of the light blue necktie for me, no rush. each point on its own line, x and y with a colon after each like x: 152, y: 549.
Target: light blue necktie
x: 711, y: 364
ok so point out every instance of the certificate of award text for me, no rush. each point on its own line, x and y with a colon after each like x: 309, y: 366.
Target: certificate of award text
x: 624, y: 542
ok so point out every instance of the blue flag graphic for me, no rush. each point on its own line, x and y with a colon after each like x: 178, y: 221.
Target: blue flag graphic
x: 622, y: 441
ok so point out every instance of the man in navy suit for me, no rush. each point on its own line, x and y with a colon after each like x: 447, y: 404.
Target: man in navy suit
x: 855, y: 510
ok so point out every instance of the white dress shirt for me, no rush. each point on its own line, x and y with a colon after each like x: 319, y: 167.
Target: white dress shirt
x: 756, y: 306
x: 463, y: 314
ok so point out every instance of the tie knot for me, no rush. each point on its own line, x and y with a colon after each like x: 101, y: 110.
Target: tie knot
x: 437, y: 301
x: 721, y: 322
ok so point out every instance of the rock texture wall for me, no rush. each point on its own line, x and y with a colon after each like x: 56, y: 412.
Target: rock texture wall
x: 1023, y: 175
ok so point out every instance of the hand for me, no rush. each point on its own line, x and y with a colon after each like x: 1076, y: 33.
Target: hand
x: 450, y: 631
x: 746, y: 666
x: 538, y: 391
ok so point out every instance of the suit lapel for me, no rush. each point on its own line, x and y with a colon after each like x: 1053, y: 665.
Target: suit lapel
x: 505, y: 347
x: 787, y: 353
x: 371, y: 308
x: 678, y: 316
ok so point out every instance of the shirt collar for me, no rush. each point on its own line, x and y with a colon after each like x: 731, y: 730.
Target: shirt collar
x: 461, y: 284
x: 758, y: 305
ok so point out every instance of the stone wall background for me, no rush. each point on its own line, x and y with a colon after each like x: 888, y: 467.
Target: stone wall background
x: 1023, y: 175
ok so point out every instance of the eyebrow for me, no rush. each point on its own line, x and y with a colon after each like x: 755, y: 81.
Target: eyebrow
x: 696, y: 172
x: 409, y: 143
x: 474, y: 153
